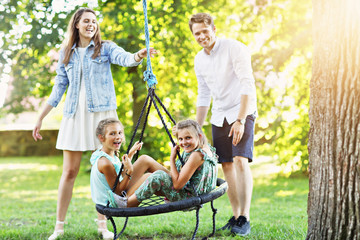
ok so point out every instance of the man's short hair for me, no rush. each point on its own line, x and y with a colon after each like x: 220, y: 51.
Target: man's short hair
x: 201, y: 18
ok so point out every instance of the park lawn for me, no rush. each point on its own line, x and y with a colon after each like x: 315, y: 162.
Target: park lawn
x: 28, y: 192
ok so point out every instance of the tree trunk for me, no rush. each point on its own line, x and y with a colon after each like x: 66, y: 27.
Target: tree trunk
x: 334, y: 138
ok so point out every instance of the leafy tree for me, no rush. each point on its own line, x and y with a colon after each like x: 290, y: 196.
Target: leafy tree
x: 277, y: 31
x: 28, y: 35
x: 282, y: 71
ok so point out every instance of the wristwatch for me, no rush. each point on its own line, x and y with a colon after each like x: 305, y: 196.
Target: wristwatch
x: 241, y: 121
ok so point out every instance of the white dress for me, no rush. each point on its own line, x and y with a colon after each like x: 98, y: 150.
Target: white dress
x: 78, y: 133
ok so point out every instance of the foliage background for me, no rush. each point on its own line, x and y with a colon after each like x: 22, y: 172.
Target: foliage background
x: 278, y: 32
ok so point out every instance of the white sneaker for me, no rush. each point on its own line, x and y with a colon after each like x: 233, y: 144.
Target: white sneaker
x: 57, y: 233
x: 102, y: 229
x: 106, y: 234
x: 116, y: 201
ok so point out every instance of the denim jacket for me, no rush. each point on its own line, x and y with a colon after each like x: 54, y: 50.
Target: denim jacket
x: 99, y: 85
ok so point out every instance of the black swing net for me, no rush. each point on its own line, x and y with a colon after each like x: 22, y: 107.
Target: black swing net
x: 156, y: 204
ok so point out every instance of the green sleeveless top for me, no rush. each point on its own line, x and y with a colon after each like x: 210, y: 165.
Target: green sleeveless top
x: 204, y: 178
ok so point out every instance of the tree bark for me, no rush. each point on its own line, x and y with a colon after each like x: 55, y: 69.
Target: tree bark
x: 334, y: 137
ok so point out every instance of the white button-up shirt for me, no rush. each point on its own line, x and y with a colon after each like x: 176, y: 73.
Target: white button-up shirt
x: 224, y: 75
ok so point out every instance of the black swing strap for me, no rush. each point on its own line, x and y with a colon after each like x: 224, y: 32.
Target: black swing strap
x: 134, y: 133
x: 150, y: 78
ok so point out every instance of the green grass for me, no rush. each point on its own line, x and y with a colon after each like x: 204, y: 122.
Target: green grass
x: 28, y: 192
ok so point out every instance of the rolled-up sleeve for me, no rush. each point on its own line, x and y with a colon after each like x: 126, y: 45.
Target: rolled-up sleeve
x: 204, y: 94
x: 121, y: 57
x: 61, y: 83
x: 241, y: 60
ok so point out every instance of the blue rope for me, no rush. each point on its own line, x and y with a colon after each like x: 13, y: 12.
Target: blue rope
x: 149, y: 76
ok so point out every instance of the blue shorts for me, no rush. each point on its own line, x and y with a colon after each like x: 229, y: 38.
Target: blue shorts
x: 223, y: 144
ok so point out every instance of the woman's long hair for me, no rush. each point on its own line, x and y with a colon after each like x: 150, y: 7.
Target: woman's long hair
x: 72, y: 35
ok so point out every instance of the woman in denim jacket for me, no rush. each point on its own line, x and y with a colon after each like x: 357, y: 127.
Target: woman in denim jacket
x: 84, y: 70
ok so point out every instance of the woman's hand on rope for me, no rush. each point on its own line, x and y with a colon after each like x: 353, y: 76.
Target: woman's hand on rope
x: 143, y: 53
x: 136, y: 147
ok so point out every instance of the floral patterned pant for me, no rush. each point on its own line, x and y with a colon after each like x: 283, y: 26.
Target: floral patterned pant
x: 160, y: 181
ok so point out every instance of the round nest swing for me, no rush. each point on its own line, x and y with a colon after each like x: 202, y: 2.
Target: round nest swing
x: 156, y: 205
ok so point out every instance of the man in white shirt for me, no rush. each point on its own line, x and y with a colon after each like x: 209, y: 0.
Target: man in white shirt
x: 224, y: 73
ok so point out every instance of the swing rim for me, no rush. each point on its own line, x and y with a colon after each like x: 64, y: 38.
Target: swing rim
x: 185, y: 204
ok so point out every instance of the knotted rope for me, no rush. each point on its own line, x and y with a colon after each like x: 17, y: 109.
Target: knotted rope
x: 149, y: 76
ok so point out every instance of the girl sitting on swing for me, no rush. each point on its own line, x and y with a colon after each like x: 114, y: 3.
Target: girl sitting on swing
x: 106, y: 165
x: 200, y: 169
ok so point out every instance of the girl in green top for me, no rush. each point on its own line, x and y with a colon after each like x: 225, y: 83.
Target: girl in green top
x: 200, y: 169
